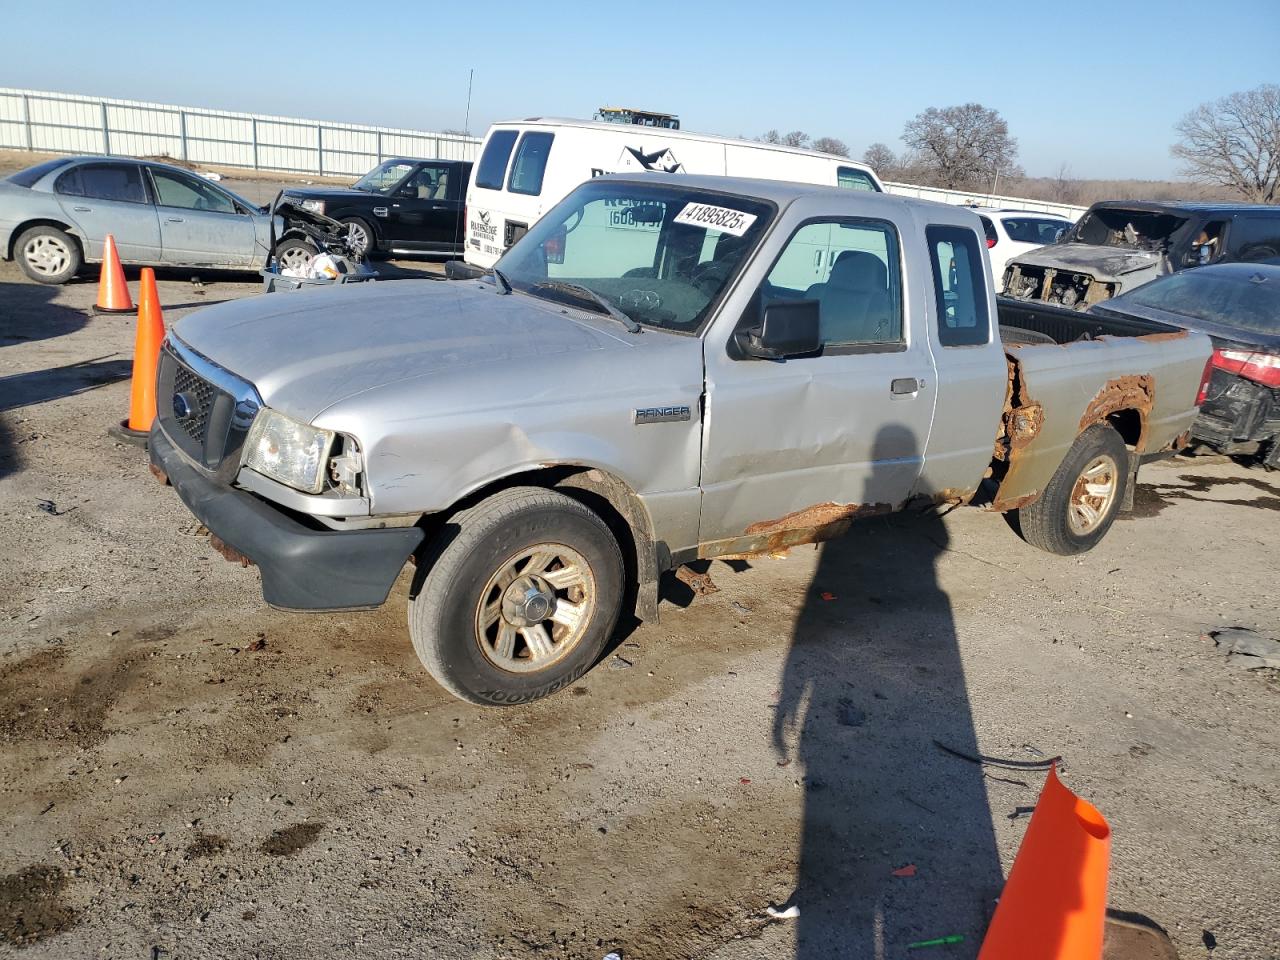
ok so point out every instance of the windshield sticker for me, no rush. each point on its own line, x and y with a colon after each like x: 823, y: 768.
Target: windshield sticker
x: 725, y: 220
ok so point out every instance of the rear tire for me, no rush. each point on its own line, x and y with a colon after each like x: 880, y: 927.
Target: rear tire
x: 47, y: 255
x: 1081, y: 501
x: 521, y: 593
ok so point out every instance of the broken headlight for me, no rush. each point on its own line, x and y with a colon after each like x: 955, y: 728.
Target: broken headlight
x: 283, y: 449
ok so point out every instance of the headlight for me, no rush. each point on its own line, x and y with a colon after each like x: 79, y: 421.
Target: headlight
x: 284, y: 449
x: 315, y: 206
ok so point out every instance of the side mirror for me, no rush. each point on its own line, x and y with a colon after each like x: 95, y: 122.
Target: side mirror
x: 789, y: 328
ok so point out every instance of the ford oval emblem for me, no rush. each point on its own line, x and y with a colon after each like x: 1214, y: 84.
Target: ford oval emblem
x: 181, y: 406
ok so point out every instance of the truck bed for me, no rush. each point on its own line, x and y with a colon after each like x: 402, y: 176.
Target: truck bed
x: 1032, y: 323
x: 1069, y: 370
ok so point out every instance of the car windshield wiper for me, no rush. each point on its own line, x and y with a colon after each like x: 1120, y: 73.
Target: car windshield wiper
x: 578, y: 289
x: 504, y: 285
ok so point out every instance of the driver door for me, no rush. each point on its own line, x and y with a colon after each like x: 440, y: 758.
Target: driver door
x: 199, y: 224
x: 424, y: 210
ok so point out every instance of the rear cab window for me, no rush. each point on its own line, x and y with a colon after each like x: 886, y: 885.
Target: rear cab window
x: 959, y: 286
x: 492, y: 170
x: 530, y: 163
x: 851, y: 178
x: 103, y: 181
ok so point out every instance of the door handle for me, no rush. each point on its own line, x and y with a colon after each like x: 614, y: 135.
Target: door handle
x: 83, y: 209
x: 173, y: 219
x: 905, y: 386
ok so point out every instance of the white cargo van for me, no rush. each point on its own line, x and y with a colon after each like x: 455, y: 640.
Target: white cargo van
x: 528, y: 166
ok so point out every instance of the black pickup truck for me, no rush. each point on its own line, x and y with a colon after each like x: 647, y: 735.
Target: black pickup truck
x: 400, y: 206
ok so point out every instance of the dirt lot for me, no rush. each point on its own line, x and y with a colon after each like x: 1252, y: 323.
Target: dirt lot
x: 186, y: 773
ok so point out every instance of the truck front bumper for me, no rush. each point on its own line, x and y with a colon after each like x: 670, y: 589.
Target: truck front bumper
x: 302, y: 568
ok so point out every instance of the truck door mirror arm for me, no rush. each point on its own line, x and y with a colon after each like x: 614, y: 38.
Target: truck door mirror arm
x: 788, y: 328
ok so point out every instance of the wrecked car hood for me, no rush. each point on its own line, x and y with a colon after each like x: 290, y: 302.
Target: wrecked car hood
x: 1102, y: 263
x: 304, y: 352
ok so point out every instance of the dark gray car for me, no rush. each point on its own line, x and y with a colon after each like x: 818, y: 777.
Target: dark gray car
x: 55, y: 217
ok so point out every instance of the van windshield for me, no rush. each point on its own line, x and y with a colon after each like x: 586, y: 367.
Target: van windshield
x: 661, y: 254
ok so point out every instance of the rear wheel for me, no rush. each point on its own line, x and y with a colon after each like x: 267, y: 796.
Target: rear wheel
x: 1081, y: 501
x: 47, y: 255
x: 520, y: 595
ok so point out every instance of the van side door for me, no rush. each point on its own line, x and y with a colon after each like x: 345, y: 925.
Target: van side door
x: 793, y: 449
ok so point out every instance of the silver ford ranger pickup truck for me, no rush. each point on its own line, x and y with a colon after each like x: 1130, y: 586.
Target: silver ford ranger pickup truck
x: 665, y: 368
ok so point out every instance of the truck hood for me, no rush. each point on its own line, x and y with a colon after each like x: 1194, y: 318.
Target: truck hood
x: 1101, y: 263
x: 308, y: 350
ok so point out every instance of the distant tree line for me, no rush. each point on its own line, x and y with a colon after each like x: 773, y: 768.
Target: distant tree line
x: 1229, y: 148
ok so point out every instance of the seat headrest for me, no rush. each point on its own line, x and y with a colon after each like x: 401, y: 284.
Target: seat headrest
x: 859, y: 271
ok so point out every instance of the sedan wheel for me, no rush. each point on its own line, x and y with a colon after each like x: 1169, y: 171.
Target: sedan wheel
x: 295, y: 255
x: 47, y: 255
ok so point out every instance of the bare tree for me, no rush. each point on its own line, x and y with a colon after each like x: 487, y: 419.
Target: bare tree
x: 1235, y: 142
x: 880, y: 158
x: 830, y: 145
x: 770, y: 136
x: 1063, y: 188
x: 796, y: 138
x: 965, y: 146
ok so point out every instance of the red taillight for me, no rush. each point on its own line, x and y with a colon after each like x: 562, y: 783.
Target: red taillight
x: 1263, y: 368
x: 1205, y: 379
x: 991, y: 242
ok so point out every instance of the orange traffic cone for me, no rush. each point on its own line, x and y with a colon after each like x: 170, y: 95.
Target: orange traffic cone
x: 146, y: 356
x: 113, y: 292
x: 1054, y: 903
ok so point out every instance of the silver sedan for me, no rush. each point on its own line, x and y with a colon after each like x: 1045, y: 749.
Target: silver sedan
x: 55, y: 217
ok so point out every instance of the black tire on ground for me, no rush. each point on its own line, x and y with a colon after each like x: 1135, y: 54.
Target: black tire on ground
x: 1048, y: 522
x: 292, y: 250
x: 367, y: 230
x: 47, y: 254
x: 461, y: 564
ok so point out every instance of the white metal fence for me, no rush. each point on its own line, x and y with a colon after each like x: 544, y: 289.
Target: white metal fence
x: 65, y: 123
x: 962, y: 198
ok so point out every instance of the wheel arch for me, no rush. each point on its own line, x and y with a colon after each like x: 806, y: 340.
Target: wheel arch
x: 62, y: 225
x: 612, y: 499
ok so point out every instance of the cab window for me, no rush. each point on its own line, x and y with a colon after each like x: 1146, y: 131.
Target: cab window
x: 959, y: 286
x: 851, y: 268
x: 493, y: 162
x: 530, y: 163
x: 188, y: 193
x: 103, y: 181
x: 851, y: 178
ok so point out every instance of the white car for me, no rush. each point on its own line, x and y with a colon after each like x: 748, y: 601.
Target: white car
x: 1011, y: 233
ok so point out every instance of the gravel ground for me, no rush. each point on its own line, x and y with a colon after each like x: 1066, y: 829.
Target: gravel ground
x: 187, y: 773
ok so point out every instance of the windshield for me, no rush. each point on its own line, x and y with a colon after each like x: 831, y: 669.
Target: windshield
x: 661, y: 254
x: 1244, y: 297
x: 383, y: 177
x: 1117, y: 227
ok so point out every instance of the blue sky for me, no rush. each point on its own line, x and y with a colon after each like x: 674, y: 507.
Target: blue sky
x: 1097, y: 86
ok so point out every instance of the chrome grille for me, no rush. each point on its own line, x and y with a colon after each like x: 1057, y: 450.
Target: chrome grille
x: 199, y: 394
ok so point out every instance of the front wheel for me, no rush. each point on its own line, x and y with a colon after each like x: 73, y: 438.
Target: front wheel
x: 1081, y: 501
x: 520, y: 595
x: 296, y: 254
x: 360, y: 238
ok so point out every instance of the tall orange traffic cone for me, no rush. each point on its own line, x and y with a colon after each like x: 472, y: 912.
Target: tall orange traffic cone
x: 113, y: 292
x: 146, y: 356
x: 1054, y: 903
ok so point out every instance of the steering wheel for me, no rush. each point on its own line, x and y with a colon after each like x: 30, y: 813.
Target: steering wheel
x: 707, y: 276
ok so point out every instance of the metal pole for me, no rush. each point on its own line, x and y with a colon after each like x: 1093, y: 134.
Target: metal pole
x: 379, y: 146
x: 182, y: 131
x: 26, y: 118
x: 253, y: 125
x: 466, y: 124
x: 320, y: 148
x: 106, y: 132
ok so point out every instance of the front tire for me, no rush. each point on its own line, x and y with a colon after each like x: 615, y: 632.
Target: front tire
x: 1081, y: 501
x: 295, y: 252
x: 361, y: 238
x: 520, y: 596
x: 47, y: 255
